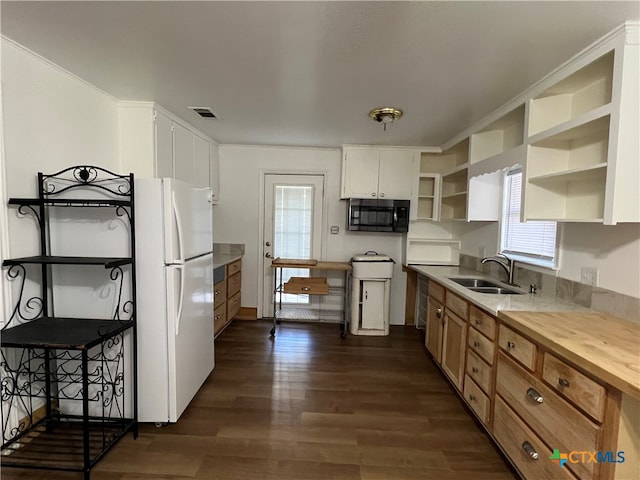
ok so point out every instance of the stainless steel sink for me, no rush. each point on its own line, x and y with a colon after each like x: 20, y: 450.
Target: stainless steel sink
x: 474, y: 282
x: 495, y: 290
x: 482, y: 285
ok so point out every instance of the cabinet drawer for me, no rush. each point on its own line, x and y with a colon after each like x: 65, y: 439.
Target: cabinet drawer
x: 234, y: 267
x: 517, y: 346
x: 219, y: 294
x: 233, y: 306
x: 481, y: 345
x: 573, y: 385
x: 233, y: 284
x: 479, y: 371
x: 476, y: 399
x: 483, y: 322
x: 436, y: 291
x: 457, y: 305
x: 219, y: 318
x: 309, y: 286
x: 553, y: 419
x: 521, y: 445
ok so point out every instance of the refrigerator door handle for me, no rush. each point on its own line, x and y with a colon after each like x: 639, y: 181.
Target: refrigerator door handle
x: 176, y: 215
x: 181, y: 299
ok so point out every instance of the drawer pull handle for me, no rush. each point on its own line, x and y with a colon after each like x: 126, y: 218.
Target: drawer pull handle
x: 217, y: 292
x: 510, y: 345
x: 439, y: 313
x: 217, y: 317
x: 535, y: 395
x: 476, y: 344
x: 529, y: 450
x: 478, y: 321
x: 305, y: 289
x: 563, y: 382
x: 472, y: 398
x: 474, y: 369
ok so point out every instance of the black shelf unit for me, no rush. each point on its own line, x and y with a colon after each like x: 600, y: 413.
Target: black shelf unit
x: 69, y: 385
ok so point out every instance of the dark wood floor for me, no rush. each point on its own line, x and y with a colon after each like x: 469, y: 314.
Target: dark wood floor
x: 310, y: 405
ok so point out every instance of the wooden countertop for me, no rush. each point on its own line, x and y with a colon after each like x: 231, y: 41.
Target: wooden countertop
x: 319, y: 265
x: 606, y: 346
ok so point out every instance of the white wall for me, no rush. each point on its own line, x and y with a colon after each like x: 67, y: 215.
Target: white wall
x: 52, y: 120
x: 237, y: 216
x: 613, y: 250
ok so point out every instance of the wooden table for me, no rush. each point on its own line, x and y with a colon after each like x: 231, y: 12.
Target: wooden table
x: 280, y: 263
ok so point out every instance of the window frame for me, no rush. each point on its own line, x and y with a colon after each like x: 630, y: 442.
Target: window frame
x: 522, y: 256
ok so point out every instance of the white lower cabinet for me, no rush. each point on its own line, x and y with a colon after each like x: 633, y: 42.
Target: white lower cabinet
x: 372, y: 315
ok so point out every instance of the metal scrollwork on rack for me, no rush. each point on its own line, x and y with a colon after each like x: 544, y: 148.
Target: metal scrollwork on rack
x: 84, y: 175
x: 124, y: 310
x: 19, y: 386
x: 24, y: 311
x: 123, y: 212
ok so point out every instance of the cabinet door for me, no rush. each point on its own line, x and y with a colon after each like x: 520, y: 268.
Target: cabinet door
x: 163, y: 146
x: 214, y: 173
x: 434, y: 328
x: 360, y: 173
x: 182, y: 154
x: 201, y: 172
x: 453, y: 343
x: 372, y: 313
x: 397, y: 174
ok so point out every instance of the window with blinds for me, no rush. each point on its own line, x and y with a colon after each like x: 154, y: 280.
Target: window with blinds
x: 531, y: 242
x: 293, y: 223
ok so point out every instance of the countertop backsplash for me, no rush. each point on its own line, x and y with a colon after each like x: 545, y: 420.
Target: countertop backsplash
x: 595, y: 298
x: 228, y: 248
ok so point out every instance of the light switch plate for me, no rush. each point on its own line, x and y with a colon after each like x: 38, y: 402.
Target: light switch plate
x: 335, y: 229
x: 589, y: 276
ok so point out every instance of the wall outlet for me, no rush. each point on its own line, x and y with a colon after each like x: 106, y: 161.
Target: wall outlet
x: 589, y: 276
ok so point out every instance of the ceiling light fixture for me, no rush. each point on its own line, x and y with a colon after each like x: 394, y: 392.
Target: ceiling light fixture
x: 385, y: 115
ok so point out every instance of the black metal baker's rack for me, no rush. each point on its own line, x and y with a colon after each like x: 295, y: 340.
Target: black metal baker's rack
x: 69, y: 385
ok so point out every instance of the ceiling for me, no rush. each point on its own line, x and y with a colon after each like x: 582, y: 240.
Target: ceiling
x: 307, y: 73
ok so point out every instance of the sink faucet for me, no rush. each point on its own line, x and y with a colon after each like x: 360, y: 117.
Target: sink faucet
x: 505, y: 262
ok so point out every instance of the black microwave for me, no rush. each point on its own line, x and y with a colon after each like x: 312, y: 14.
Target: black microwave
x: 373, y: 215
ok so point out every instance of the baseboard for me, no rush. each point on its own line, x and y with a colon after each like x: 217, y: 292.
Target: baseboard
x: 247, y: 313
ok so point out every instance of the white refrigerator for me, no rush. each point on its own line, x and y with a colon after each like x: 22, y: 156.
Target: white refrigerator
x: 174, y: 269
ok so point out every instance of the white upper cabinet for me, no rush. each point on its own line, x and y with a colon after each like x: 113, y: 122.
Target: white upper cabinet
x: 378, y: 173
x: 214, y: 172
x: 182, y: 154
x: 164, y: 145
x: 397, y: 173
x: 154, y: 143
x: 360, y: 173
x: 201, y: 160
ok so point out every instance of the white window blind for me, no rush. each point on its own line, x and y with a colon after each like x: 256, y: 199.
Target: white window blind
x: 293, y: 223
x: 534, y: 241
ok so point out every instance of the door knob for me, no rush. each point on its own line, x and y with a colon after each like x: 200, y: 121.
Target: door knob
x: 268, y: 255
x: 268, y: 244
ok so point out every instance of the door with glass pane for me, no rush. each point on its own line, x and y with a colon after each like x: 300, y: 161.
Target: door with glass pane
x: 292, y: 229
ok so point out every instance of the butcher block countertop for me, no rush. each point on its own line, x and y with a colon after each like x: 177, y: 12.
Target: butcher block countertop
x: 608, y: 347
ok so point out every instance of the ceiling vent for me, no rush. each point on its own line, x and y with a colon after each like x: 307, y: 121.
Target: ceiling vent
x: 205, y: 112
